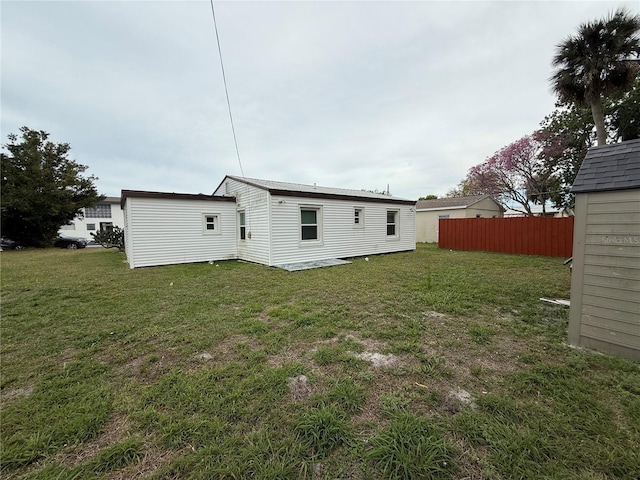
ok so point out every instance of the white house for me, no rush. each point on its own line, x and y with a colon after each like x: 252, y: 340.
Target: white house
x: 267, y: 222
x: 105, y: 215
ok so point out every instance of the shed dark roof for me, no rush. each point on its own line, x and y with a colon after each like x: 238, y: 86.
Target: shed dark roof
x: 609, y: 167
x: 453, y: 202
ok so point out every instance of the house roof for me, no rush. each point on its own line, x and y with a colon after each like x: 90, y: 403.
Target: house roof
x: 173, y: 196
x: 609, y: 167
x: 314, y: 191
x: 451, y: 203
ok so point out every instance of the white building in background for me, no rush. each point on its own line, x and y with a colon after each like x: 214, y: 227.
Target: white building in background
x: 104, y: 216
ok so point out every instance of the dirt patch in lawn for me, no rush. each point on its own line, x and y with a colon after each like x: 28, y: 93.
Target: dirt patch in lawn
x: 115, y: 431
x: 152, y: 460
x: 379, y: 360
x: 13, y: 394
x: 149, y: 368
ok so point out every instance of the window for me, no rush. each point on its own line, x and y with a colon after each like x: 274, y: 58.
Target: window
x: 91, y: 226
x: 392, y: 223
x: 211, y: 223
x: 309, y: 223
x: 243, y: 225
x: 358, y: 217
x: 101, y: 210
x: 106, y: 226
x: 443, y: 216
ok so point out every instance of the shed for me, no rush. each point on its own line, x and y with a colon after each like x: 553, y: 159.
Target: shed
x: 262, y: 221
x: 605, y: 280
x: 429, y: 212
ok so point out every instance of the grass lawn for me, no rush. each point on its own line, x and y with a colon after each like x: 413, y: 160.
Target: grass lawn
x: 428, y: 364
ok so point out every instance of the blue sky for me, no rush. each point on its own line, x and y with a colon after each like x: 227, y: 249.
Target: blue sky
x: 342, y: 94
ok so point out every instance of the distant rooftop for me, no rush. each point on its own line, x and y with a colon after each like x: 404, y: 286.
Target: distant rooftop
x: 450, y: 203
x: 609, y: 167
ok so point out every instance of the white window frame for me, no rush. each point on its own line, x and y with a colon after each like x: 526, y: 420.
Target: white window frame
x: 241, y: 225
x: 396, y: 224
x: 91, y: 227
x: 358, y: 217
x: 216, y: 224
x: 318, y: 225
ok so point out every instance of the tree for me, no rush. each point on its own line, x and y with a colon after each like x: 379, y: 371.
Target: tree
x: 625, y: 115
x: 42, y: 189
x: 568, y: 133
x: 513, y: 175
x: 429, y: 197
x: 465, y: 188
x: 109, y: 238
x: 597, y: 63
x: 565, y: 137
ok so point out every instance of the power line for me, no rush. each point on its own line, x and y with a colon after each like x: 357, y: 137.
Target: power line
x: 226, y: 90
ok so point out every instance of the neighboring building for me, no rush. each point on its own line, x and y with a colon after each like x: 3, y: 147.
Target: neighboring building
x: 605, y: 280
x: 266, y: 222
x: 429, y: 213
x: 105, y: 215
x: 536, y: 211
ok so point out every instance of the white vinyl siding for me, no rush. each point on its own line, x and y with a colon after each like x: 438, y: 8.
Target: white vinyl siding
x: 170, y: 231
x: 255, y: 204
x: 339, y: 237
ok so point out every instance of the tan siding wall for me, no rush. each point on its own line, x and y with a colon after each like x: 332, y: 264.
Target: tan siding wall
x: 427, y: 222
x: 605, y: 296
x: 340, y: 238
x: 168, y: 231
x: 486, y: 208
x: 255, y: 202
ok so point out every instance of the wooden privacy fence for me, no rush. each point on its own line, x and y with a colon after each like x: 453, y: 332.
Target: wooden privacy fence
x: 551, y: 237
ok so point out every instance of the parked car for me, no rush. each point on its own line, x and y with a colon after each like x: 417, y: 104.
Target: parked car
x: 71, y: 242
x: 6, y: 244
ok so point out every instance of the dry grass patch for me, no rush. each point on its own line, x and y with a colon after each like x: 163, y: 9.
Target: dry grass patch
x: 116, y: 430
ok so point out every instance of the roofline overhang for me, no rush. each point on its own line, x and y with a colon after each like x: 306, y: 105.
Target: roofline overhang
x: 171, y: 196
x: 459, y: 207
x: 331, y: 196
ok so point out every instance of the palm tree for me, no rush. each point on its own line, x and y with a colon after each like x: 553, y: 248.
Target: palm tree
x: 598, y: 62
